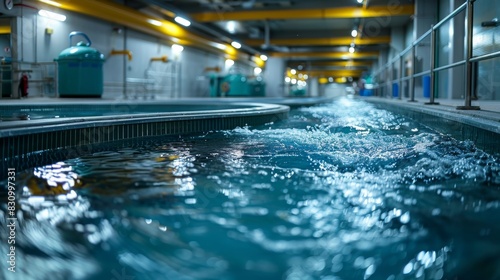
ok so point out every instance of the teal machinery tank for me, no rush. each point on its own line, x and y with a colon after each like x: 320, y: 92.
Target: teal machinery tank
x: 234, y: 85
x: 256, y: 86
x: 80, y: 71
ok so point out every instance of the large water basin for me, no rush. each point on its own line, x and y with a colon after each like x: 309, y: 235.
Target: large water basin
x: 338, y: 191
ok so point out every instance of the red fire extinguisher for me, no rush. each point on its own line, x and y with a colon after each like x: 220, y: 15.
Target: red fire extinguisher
x: 23, y: 85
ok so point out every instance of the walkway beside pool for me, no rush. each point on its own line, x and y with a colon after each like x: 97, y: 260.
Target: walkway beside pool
x: 489, y: 112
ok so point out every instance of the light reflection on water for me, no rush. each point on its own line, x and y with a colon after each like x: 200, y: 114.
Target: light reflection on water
x: 338, y: 191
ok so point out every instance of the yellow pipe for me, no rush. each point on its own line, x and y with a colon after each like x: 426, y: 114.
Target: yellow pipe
x: 335, y: 64
x: 259, y: 62
x: 161, y: 58
x: 340, y: 80
x: 5, y: 30
x: 125, y: 52
x: 337, y: 55
x: 339, y: 12
x: 120, y: 14
x: 322, y: 41
x: 332, y: 73
x: 214, y: 69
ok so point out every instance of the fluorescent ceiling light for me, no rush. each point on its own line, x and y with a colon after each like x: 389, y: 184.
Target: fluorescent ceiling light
x: 231, y: 26
x: 177, y: 48
x: 52, y: 15
x: 352, y: 49
x: 236, y: 44
x: 354, y: 33
x: 155, y: 22
x: 263, y: 57
x: 229, y: 63
x: 53, y: 3
x: 182, y: 21
x: 219, y: 46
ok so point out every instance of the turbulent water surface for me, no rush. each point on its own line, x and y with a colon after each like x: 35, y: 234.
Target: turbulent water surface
x: 337, y: 191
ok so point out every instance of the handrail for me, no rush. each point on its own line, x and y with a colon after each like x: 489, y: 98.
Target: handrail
x: 448, y: 66
x: 485, y: 57
x: 451, y: 15
x: 468, y: 7
x: 405, y: 51
x: 421, y: 38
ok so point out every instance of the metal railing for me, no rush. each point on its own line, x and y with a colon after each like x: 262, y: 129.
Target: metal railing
x: 468, y: 7
x: 41, y: 78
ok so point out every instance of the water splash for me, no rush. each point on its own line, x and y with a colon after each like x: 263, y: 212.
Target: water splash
x: 339, y: 191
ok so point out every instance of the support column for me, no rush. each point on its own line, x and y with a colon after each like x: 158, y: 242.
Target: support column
x: 425, y: 16
x: 432, y: 66
x: 273, y: 76
x: 468, y: 63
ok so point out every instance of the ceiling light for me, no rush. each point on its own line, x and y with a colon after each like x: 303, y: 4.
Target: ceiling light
x: 219, y: 46
x: 263, y: 57
x: 257, y: 71
x: 155, y: 22
x: 236, y: 44
x: 354, y: 33
x: 231, y: 26
x: 53, y: 3
x: 293, y: 71
x: 229, y: 63
x: 360, y: 1
x: 352, y: 49
x: 182, y: 21
x: 52, y: 15
x: 177, y: 49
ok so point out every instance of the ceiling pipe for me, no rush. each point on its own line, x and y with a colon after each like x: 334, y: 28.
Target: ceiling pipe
x: 322, y: 13
x: 120, y: 14
x: 222, y: 37
x: 365, y: 4
x: 267, y: 34
x: 198, y: 25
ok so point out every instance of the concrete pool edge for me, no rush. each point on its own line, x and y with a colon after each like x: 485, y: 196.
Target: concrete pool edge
x: 23, y: 127
x: 18, y: 142
x: 480, y: 127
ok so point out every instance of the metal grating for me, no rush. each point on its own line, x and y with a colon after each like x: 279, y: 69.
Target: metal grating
x: 63, y: 144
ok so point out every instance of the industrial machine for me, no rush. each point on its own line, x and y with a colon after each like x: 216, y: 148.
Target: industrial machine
x: 297, y: 91
x: 235, y: 85
x: 80, y: 71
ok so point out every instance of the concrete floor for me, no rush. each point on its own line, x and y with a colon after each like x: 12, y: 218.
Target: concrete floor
x: 489, y: 109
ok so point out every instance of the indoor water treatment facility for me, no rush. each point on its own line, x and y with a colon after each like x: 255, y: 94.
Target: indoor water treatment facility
x: 250, y: 139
